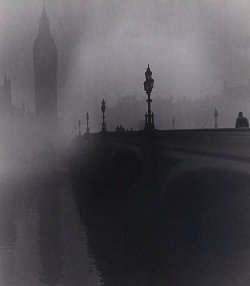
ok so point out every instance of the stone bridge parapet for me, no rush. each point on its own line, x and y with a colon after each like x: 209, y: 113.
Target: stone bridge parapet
x: 231, y: 143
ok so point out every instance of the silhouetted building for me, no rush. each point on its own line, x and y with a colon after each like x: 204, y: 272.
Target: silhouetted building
x: 45, y: 68
x: 5, y: 95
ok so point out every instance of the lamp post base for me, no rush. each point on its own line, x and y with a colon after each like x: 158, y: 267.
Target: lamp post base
x: 104, y: 127
x: 149, y: 126
x: 149, y: 121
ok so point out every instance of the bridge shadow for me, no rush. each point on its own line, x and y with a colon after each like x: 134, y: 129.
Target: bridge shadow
x: 211, y: 207
x: 195, y: 233
x: 108, y: 184
x: 204, y: 228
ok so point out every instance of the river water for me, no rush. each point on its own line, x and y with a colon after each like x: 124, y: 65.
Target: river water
x: 42, y: 239
x: 201, y: 236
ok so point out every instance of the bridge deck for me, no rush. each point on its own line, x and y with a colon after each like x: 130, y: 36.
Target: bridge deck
x: 231, y: 144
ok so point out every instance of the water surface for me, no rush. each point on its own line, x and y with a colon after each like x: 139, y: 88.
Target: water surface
x: 42, y: 239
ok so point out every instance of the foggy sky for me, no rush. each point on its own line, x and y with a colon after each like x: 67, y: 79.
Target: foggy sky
x: 104, y: 47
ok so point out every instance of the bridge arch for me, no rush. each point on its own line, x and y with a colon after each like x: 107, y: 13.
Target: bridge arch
x: 208, y: 204
x: 126, y: 163
x: 131, y: 149
x: 186, y: 167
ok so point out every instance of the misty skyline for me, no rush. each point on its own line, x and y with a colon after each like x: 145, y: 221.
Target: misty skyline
x: 105, y: 46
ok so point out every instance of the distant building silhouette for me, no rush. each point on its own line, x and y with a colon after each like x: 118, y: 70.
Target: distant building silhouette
x: 45, y: 68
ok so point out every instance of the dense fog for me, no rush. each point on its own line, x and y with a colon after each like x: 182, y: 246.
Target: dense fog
x: 124, y: 208
x: 104, y: 47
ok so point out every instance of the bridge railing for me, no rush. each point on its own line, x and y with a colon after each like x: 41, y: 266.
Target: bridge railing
x: 232, y: 142
x: 223, y: 142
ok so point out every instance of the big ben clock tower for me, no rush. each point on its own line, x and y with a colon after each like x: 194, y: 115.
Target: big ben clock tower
x: 45, y: 68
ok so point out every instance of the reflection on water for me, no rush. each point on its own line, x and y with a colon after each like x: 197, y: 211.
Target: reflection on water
x: 42, y: 241
x: 197, y: 234
x: 50, y: 233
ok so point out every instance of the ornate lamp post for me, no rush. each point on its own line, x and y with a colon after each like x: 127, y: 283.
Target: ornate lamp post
x: 216, y: 114
x: 79, y: 127
x: 103, y: 109
x: 148, y: 87
x: 87, y: 119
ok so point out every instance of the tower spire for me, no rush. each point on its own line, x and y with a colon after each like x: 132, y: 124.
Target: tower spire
x: 44, y: 26
x: 44, y: 8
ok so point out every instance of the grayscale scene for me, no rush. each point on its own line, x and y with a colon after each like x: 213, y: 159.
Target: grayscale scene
x: 124, y: 142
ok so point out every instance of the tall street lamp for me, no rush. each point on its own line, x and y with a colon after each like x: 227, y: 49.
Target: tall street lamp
x: 148, y: 87
x: 87, y: 119
x: 79, y: 127
x: 103, y: 109
x: 216, y: 114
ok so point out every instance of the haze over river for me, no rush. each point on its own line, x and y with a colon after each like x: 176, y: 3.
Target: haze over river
x: 42, y: 241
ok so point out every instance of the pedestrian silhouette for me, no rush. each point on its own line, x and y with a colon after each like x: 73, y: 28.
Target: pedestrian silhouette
x: 119, y: 129
x: 241, y: 121
x: 122, y: 128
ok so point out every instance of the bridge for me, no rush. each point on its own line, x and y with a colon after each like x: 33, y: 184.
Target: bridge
x: 157, y: 168
x: 168, y: 206
x: 168, y: 154
x: 161, y: 156
x: 182, y: 194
